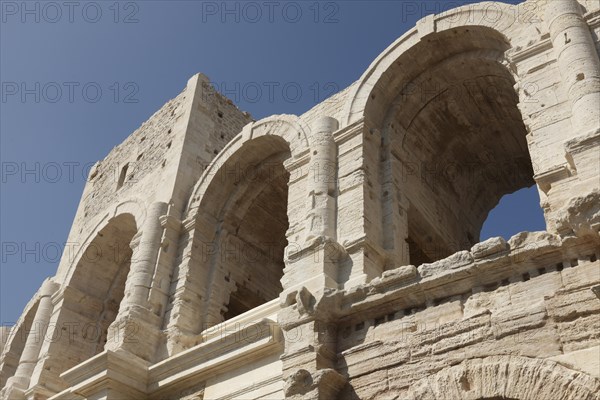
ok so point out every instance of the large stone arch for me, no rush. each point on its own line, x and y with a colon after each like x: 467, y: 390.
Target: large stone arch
x: 225, y: 228
x: 251, y: 181
x: 444, y: 103
x: 88, y: 302
x: 249, y: 172
x: 101, y: 274
x: 368, y: 95
x: 15, y: 343
x: 506, y: 377
x: 136, y: 208
x: 288, y: 127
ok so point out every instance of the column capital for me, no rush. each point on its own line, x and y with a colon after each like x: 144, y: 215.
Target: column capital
x: 48, y: 288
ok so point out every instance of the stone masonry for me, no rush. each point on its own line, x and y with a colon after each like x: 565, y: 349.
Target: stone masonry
x: 336, y: 254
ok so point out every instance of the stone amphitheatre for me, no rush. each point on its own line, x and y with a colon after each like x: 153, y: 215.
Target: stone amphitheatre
x: 336, y: 254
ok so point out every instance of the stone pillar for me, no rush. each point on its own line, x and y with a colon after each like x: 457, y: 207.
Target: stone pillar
x: 313, y: 262
x: 183, y: 320
x: 310, y: 356
x: 143, y: 261
x: 311, y: 274
x: 161, y: 281
x: 359, y: 202
x: 578, y: 211
x: 322, y: 180
x: 29, y: 357
x: 577, y: 61
x: 395, y: 211
x: 137, y: 328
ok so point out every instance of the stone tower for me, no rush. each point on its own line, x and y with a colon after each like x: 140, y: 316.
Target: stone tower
x: 336, y: 254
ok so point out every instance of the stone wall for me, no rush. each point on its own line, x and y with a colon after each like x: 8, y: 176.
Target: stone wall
x: 529, y: 299
x: 364, y: 222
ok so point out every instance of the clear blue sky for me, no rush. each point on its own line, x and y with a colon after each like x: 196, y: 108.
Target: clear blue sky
x: 141, y: 54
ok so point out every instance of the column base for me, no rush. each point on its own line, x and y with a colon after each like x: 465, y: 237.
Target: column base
x: 136, y: 332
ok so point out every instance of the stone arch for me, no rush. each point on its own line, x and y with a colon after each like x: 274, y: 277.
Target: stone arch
x: 506, y: 377
x: 288, y: 127
x: 244, y: 256
x: 99, y: 278
x: 443, y: 101
x: 13, y: 348
x: 368, y: 95
x: 133, y: 207
x: 237, y: 248
x: 89, y: 300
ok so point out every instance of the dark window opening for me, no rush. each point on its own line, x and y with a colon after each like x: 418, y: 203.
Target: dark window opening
x: 241, y: 300
x: 122, y: 176
x: 258, y: 244
x: 255, y: 220
x: 416, y: 254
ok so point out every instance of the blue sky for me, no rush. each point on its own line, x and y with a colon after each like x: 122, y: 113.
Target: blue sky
x: 77, y: 80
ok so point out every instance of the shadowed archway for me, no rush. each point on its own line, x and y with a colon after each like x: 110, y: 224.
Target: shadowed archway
x: 453, y: 142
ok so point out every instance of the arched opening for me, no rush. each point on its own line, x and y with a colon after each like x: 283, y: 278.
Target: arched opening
x: 14, y: 345
x: 248, y: 197
x: 456, y: 139
x: 259, y: 238
x: 98, y: 284
x: 505, y: 378
x: 516, y: 212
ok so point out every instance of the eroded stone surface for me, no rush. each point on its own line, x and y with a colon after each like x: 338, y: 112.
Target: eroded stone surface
x: 336, y: 254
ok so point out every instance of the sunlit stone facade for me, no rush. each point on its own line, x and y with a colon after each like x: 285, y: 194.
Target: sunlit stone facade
x: 336, y: 254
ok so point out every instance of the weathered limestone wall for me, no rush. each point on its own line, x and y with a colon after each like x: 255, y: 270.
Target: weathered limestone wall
x: 163, y: 159
x: 166, y: 155
x: 334, y: 254
x: 393, y: 129
x: 529, y: 299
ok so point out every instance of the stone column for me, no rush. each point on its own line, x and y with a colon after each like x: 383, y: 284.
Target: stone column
x: 322, y: 180
x: 395, y: 212
x: 313, y: 262
x: 308, y: 311
x: 310, y: 356
x: 577, y: 61
x: 137, y: 328
x: 29, y: 357
x: 161, y: 281
x: 143, y: 261
x: 578, y: 211
x: 359, y: 203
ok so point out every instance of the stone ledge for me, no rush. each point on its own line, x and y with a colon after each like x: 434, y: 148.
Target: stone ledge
x: 107, y: 368
x: 222, y: 349
x: 461, y: 272
x: 216, y: 355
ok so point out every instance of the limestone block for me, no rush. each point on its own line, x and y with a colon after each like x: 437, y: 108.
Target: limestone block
x: 455, y: 261
x: 585, y: 360
x: 526, y: 245
x: 373, y: 386
x: 581, y: 215
x: 489, y: 247
x: 395, y: 276
x: 568, y: 306
x: 512, y: 322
